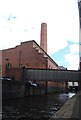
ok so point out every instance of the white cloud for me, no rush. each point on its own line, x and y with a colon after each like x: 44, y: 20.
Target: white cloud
x: 62, y: 20
x: 72, y: 58
x: 73, y: 61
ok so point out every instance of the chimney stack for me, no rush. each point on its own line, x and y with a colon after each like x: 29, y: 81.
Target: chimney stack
x: 43, y: 37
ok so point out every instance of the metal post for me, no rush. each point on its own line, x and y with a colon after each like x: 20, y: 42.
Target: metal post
x: 66, y: 86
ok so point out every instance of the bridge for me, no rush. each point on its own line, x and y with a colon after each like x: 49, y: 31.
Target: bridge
x: 52, y: 75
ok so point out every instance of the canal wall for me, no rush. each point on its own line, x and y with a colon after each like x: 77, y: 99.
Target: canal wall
x: 16, y: 89
x: 71, y: 109
x: 12, y: 89
x: 33, y: 89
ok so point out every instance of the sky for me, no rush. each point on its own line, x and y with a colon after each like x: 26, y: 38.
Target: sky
x: 20, y: 20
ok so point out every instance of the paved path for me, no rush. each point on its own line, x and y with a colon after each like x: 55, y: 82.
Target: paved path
x: 71, y: 109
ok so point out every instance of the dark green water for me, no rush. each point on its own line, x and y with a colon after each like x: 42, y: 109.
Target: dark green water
x: 33, y: 107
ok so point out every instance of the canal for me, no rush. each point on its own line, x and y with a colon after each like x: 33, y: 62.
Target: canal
x: 33, y: 107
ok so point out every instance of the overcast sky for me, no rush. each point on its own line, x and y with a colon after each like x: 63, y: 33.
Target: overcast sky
x: 20, y: 20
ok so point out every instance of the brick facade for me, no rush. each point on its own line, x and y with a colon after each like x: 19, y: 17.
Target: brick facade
x: 28, y: 54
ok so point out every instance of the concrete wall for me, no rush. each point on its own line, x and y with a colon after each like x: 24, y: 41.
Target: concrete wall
x: 17, y: 89
x: 12, y: 89
x: 34, y: 90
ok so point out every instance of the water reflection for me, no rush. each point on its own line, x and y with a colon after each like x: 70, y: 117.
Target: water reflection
x: 33, y: 107
x: 71, y: 95
x: 64, y: 97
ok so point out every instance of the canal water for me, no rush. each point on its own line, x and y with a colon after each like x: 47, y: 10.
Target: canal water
x: 33, y: 107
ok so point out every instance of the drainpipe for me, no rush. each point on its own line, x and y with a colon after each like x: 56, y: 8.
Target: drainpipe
x: 46, y: 81
x: 19, y: 58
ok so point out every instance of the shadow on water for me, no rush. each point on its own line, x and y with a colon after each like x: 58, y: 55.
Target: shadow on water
x: 33, y: 107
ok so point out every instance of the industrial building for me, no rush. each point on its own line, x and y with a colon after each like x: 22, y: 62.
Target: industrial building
x: 30, y: 55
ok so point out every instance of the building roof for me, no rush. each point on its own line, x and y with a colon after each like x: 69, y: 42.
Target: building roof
x: 42, y: 50
x: 38, y: 47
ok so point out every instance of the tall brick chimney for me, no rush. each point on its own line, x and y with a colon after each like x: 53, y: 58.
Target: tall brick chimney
x: 43, y: 37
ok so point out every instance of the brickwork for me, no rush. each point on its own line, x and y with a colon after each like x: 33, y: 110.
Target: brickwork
x: 30, y: 55
x: 26, y: 55
x: 51, y: 65
x: 15, y: 73
x: 43, y: 41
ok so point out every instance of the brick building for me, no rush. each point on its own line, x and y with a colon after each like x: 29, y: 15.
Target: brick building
x: 29, y: 54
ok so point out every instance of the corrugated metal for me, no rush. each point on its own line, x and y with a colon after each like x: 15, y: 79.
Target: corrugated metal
x: 52, y: 75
